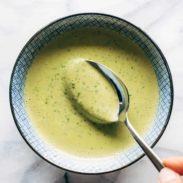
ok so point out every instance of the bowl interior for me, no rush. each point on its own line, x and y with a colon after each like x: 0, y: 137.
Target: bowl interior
x: 41, y: 39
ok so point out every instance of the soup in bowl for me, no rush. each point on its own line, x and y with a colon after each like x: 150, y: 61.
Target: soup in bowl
x: 51, y: 85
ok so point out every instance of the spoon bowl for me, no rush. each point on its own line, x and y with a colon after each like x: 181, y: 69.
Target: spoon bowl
x: 118, y: 85
x: 123, y: 96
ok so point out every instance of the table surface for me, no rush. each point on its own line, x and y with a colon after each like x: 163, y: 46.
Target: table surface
x: 20, y: 19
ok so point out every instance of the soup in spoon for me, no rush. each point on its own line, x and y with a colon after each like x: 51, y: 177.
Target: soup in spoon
x: 90, y: 93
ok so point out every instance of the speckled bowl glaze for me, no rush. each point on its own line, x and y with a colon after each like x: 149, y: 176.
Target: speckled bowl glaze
x: 41, y: 39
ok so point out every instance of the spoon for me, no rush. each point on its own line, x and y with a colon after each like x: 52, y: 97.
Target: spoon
x: 123, y: 97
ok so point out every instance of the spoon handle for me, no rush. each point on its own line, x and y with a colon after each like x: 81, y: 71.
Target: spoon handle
x: 148, y: 151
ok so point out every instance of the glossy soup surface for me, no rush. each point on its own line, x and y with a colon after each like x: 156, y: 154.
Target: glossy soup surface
x: 60, y: 86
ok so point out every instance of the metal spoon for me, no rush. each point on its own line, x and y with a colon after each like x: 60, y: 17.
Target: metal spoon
x: 123, y: 97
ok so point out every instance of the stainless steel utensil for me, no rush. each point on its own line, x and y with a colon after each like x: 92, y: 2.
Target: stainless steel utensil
x: 123, y: 97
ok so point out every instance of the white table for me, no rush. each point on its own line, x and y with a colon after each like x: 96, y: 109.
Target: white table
x: 20, y: 19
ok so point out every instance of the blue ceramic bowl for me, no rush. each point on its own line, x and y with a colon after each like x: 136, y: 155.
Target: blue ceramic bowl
x: 40, y: 40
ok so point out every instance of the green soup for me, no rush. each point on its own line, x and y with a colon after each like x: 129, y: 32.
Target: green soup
x: 58, y: 90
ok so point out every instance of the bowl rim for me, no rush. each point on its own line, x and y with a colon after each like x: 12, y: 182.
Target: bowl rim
x: 120, y: 19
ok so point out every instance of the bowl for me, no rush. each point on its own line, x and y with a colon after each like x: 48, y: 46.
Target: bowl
x: 41, y: 39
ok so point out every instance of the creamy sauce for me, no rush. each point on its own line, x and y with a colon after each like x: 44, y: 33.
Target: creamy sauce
x: 56, y: 89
